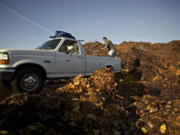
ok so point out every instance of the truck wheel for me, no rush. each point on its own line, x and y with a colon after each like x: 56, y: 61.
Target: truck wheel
x: 6, y: 84
x: 29, y: 80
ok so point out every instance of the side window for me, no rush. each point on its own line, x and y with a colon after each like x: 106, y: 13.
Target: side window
x: 63, y: 47
x: 69, y: 47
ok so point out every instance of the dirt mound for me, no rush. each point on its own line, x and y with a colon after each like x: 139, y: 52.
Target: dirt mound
x: 156, y: 65
x: 95, y: 105
x: 158, y: 116
x: 84, y: 106
x: 98, y: 88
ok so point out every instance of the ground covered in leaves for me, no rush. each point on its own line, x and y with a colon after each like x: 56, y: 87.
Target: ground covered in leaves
x: 143, y: 99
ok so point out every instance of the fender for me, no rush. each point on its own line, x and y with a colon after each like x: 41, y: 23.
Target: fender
x: 46, y: 66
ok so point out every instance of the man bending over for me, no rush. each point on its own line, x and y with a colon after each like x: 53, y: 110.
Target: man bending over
x: 109, y: 45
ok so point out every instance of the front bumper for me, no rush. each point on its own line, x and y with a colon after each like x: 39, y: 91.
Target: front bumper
x: 7, y: 74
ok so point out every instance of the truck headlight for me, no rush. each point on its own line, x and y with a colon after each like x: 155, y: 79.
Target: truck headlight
x: 4, y: 58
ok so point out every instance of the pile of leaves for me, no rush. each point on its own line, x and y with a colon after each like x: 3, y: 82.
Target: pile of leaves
x: 157, y: 65
x: 153, y: 70
x: 104, y: 103
x: 158, y: 116
x: 84, y: 106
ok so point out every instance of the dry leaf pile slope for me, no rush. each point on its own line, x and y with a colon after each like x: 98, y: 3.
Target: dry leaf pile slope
x: 93, y: 106
x: 153, y: 69
x: 155, y: 65
x: 85, y: 106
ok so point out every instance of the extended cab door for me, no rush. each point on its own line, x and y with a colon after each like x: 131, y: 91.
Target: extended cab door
x: 69, y: 63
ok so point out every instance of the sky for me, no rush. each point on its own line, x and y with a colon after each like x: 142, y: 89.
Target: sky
x: 29, y: 23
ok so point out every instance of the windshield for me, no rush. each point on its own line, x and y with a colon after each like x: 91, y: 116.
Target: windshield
x: 50, y: 45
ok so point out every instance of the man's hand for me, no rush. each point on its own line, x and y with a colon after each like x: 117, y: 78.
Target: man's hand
x: 103, y: 48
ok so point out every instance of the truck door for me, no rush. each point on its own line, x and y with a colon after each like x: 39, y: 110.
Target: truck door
x: 69, y: 62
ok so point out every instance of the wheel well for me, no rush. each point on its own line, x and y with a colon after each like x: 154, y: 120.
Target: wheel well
x: 30, y: 65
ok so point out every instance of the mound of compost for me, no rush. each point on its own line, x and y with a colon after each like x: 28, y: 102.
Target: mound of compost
x: 99, y: 104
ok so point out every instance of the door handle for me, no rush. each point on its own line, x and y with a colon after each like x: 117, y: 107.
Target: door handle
x: 80, y: 56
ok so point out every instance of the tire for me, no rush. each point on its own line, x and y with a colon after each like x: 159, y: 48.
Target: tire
x: 30, y: 80
x: 6, y: 84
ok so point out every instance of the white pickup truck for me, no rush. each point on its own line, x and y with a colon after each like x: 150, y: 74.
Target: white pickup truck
x: 26, y: 70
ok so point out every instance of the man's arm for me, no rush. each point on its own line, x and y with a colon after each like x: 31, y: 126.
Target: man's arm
x: 105, y: 46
